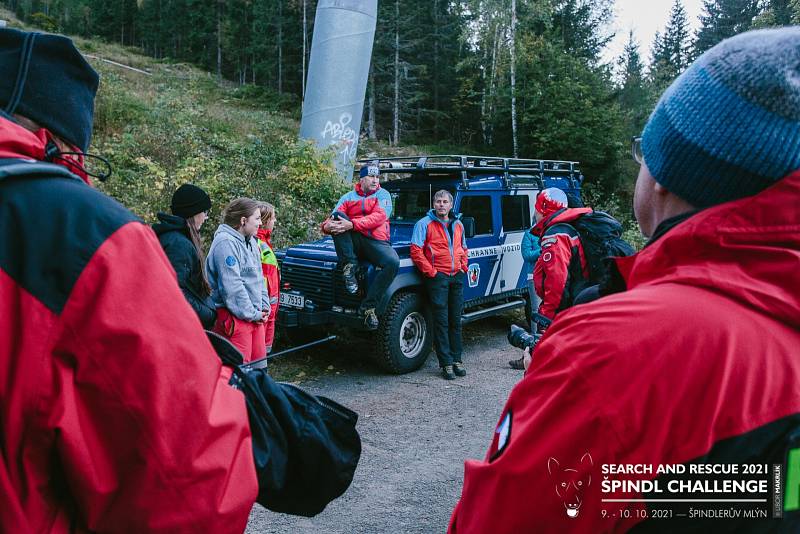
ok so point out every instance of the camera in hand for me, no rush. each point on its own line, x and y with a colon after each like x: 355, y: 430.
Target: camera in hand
x: 521, y: 338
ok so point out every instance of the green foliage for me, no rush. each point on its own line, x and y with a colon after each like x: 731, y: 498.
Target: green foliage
x: 180, y: 126
x: 44, y: 22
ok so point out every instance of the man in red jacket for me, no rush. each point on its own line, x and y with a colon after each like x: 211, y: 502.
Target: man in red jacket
x: 115, y: 413
x: 359, y: 225
x: 692, y: 365
x: 554, y: 274
x: 439, y: 250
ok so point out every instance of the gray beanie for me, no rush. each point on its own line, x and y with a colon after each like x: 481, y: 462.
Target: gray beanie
x: 729, y: 126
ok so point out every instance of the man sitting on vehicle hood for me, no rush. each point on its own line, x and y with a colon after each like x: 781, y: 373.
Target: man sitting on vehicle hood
x: 359, y: 225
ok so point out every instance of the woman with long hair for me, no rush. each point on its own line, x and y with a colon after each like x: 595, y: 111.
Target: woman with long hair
x: 179, y: 235
x: 269, y: 266
x: 237, y: 284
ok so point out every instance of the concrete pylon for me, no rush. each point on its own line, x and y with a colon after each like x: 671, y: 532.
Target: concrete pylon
x: 344, y: 31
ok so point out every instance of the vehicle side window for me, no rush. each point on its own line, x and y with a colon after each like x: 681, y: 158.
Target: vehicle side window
x: 480, y: 208
x: 516, y: 213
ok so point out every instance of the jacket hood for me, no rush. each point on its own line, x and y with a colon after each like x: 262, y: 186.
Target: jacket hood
x: 748, y: 249
x: 17, y: 142
x: 169, y: 223
x: 227, y: 232
x: 360, y: 191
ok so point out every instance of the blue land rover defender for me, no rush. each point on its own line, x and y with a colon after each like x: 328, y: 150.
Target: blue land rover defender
x: 495, y: 197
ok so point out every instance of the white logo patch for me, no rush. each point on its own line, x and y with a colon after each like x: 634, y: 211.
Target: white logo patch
x: 547, y: 256
x: 503, y: 433
x: 473, y: 274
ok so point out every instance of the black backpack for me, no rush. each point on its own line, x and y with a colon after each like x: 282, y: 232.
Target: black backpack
x: 601, y: 237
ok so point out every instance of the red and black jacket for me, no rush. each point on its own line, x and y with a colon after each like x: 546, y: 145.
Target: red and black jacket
x: 99, y: 425
x: 561, y: 269
x: 695, y: 363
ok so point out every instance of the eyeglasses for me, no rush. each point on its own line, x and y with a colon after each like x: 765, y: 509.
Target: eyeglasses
x: 636, y: 150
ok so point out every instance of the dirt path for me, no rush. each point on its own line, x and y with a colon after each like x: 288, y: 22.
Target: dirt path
x: 416, y: 431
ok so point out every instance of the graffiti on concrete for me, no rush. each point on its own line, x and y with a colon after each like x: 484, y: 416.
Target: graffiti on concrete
x: 340, y: 133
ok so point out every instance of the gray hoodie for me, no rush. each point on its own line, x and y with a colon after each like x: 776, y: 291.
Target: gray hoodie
x: 233, y: 267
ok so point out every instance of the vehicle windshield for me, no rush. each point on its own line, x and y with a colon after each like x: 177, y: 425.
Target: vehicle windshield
x: 410, y: 205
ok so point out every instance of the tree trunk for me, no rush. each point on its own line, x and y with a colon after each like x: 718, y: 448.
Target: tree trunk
x: 492, y: 77
x: 305, y: 44
x: 371, y: 133
x: 514, y: 76
x: 219, y: 40
x: 280, y: 46
x: 436, y: 38
x: 396, y: 121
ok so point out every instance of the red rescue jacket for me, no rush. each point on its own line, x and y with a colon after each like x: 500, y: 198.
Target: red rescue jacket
x: 551, y: 274
x: 368, y: 213
x: 696, y: 362
x: 269, y: 263
x: 115, y: 413
x: 437, y: 246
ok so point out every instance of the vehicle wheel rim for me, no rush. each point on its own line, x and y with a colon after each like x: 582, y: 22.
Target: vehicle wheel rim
x: 412, y: 334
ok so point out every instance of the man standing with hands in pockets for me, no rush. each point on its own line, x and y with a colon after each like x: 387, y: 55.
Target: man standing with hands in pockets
x: 439, y: 251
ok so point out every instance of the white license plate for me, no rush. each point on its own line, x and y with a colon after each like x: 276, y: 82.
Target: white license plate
x: 293, y: 301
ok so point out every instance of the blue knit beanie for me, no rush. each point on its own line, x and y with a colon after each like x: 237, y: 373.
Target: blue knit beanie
x: 46, y: 79
x: 729, y: 126
x: 370, y: 169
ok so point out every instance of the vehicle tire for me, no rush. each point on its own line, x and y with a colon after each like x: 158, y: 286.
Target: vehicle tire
x: 405, y: 334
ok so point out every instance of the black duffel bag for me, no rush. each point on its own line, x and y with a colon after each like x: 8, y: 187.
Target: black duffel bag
x: 306, y: 447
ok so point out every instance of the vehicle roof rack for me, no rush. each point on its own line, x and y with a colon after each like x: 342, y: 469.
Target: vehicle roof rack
x: 510, y: 168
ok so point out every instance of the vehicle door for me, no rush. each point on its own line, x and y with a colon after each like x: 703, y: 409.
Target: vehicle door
x: 516, y: 219
x: 483, y: 247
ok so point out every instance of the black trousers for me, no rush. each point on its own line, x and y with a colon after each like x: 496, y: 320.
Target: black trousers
x: 446, y: 295
x: 352, y: 246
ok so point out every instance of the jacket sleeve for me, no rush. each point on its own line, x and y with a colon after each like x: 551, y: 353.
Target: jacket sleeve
x: 550, y: 272
x: 417, y: 254
x: 181, y: 258
x: 150, y: 434
x: 380, y: 213
x: 465, y: 250
x: 231, y: 287
x: 530, y: 248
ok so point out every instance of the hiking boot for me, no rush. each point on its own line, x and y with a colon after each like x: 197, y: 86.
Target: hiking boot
x: 447, y: 372
x: 458, y: 369
x: 349, y: 276
x: 519, y: 365
x: 370, y: 319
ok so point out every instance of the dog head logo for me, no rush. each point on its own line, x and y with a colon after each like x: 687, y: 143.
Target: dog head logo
x: 570, y: 484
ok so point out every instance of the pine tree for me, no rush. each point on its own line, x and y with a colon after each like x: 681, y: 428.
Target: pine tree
x: 633, y: 97
x: 722, y: 19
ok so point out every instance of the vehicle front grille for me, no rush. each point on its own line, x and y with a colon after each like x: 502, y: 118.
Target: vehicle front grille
x: 315, y: 284
x: 324, y: 287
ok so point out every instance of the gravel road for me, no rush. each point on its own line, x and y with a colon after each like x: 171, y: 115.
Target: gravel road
x: 416, y: 431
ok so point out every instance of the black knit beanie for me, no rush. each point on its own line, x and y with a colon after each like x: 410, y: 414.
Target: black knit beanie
x: 189, y: 200
x: 46, y: 79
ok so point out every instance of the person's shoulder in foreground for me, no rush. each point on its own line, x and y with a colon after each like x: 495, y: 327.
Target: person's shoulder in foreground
x: 103, y: 430
x: 695, y: 362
